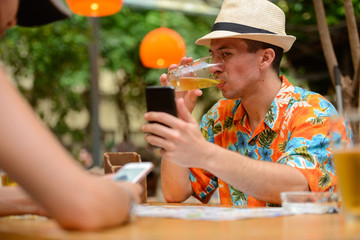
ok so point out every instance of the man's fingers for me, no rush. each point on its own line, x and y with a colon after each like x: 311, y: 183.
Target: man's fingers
x: 134, y: 190
x: 157, y: 141
x: 161, y: 117
x: 183, y: 112
x: 186, y: 60
x: 163, y: 79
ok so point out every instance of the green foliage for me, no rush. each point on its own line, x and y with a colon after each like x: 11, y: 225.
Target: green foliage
x: 302, y: 11
x: 55, y: 60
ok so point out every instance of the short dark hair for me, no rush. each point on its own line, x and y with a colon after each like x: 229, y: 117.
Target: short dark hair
x: 254, y: 46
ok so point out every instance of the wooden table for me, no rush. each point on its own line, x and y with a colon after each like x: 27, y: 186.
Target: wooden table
x: 327, y: 227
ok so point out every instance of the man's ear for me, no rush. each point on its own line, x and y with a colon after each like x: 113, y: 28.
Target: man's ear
x: 267, y: 57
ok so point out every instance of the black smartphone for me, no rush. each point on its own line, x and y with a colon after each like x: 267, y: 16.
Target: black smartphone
x: 161, y: 99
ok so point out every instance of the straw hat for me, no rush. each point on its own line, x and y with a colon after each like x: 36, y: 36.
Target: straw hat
x: 40, y: 12
x: 258, y: 20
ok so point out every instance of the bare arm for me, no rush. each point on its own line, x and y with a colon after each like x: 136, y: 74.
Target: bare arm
x: 14, y: 201
x: 175, y: 183
x: 261, y: 180
x: 33, y: 157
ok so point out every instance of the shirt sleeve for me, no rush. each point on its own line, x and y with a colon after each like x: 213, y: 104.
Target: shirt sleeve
x: 203, y: 182
x: 308, y: 148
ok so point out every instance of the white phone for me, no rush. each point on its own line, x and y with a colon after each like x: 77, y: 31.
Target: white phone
x: 133, y: 172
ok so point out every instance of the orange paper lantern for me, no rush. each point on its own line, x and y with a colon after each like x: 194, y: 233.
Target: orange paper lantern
x: 95, y: 8
x: 162, y: 47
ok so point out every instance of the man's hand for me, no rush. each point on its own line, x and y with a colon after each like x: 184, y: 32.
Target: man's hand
x: 190, y: 97
x: 181, y: 142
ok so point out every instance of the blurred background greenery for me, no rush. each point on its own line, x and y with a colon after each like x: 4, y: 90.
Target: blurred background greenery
x: 51, y: 67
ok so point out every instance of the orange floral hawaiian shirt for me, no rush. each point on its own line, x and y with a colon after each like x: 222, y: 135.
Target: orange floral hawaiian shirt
x: 295, y: 132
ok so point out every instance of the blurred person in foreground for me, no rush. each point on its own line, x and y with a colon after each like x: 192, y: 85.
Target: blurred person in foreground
x: 51, y: 182
x: 266, y: 136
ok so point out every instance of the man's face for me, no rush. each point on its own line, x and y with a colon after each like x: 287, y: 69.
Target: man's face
x: 240, y: 66
x: 8, y: 10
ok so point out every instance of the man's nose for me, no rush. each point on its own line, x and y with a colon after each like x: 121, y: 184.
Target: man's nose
x: 218, y: 64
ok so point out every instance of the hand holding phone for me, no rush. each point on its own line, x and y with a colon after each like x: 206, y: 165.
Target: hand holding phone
x: 161, y: 99
x: 133, y: 172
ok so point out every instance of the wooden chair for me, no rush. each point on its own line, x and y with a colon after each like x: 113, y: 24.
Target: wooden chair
x: 113, y: 161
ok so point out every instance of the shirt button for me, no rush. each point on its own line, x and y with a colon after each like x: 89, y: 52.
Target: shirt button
x: 252, y: 142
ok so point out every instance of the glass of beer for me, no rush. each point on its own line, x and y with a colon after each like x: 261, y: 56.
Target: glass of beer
x: 346, y: 147
x: 201, y: 73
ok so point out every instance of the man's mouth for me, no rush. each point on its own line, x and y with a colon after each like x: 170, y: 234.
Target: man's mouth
x: 221, y: 85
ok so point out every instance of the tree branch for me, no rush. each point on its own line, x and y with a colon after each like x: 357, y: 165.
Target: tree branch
x: 325, y: 39
x: 353, y: 33
x: 356, y: 80
x: 354, y: 44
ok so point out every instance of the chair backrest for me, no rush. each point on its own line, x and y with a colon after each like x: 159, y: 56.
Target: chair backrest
x: 113, y: 161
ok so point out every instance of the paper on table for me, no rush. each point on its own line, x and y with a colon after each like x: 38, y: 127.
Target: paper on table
x: 206, y: 212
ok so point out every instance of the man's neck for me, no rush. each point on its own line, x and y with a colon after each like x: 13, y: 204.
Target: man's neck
x: 258, y: 104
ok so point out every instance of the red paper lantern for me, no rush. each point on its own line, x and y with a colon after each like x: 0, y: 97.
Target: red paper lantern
x: 162, y: 47
x: 95, y: 8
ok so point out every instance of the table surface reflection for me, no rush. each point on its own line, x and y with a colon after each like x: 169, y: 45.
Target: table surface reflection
x: 326, y: 226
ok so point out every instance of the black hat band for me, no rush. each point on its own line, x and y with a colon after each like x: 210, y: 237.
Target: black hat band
x: 239, y: 28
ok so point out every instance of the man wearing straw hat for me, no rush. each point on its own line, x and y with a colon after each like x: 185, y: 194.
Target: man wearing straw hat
x: 265, y: 137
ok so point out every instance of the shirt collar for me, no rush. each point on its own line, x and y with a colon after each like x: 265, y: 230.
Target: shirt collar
x: 276, y: 110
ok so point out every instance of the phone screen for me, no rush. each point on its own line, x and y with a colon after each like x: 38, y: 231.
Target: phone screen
x: 129, y: 174
x: 133, y: 172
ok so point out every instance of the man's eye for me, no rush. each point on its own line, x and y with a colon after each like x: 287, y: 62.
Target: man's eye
x: 225, y: 54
